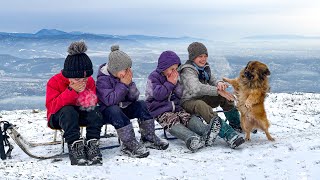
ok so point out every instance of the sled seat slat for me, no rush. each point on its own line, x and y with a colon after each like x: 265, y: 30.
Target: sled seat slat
x: 105, y: 135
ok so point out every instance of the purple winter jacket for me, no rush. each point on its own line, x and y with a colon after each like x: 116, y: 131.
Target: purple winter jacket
x: 111, y: 91
x: 161, y: 95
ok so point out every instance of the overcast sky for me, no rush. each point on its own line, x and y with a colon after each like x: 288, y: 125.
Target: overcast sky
x: 211, y: 19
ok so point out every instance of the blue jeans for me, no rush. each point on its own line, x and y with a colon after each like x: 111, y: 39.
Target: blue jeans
x: 70, y: 118
x: 120, y: 117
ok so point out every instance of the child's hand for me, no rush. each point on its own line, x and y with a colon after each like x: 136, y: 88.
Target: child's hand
x: 78, y: 86
x: 221, y: 86
x: 173, y: 77
x: 127, y: 78
x: 226, y: 95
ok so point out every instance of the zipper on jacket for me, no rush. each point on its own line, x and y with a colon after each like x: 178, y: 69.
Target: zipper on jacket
x: 173, y: 106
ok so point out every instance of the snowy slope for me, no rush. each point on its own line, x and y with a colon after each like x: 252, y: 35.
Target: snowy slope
x: 295, y: 154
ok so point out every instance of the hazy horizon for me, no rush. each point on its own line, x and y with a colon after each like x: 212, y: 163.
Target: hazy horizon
x: 257, y: 36
x: 208, y: 19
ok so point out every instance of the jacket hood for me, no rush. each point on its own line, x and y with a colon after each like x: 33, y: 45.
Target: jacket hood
x: 103, y: 71
x: 167, y: 59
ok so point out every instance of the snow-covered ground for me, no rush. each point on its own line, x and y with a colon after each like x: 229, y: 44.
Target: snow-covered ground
x: 294, y: 118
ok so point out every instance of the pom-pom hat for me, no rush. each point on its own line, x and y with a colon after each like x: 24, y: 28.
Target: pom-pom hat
x: 77, y: 63
x: 118, y: 60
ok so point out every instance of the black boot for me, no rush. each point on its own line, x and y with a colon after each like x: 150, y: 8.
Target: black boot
x: 149, y: 138
x: 192, y: 140
x: 77, y: 153
x: 93, y: 152
x: 130, y: 145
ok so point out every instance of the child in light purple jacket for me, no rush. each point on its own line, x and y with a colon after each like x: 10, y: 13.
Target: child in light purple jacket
x: 118, y: 100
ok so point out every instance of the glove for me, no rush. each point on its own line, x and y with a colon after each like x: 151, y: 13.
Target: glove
x: 87, y: 100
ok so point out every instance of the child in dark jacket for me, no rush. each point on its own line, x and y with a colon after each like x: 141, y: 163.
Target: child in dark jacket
x: 163, y: 94
x: 118, y: 100
x: 71, y: 101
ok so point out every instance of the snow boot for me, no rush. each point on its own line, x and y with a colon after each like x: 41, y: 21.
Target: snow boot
x: 229, y: 134
x: 207, y: 132
x: 233, y: 117
x: 192, y: 140
x: 93, y: 152
x: 148, y: 136
x: 130, y: 145
x: 77, y: 153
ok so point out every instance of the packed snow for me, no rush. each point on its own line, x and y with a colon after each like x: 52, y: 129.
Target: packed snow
x: 295, y: 154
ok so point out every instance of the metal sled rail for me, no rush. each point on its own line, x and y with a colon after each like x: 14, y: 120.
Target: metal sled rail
x: 23, y: 144
x: 17, y: 138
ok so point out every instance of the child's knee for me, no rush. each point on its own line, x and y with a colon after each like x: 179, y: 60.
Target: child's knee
x: 113, y: 110
x: 200, y: 105
x: 141, y: 105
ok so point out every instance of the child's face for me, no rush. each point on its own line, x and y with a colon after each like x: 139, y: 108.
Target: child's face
x: 122, y: 73
x: 201, y: 60
x: 169, y: 70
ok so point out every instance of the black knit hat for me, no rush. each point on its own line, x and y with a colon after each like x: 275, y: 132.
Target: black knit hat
x: 77, y: 63
x: 195, y: 49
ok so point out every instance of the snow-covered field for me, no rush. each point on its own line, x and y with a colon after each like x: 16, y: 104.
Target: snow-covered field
x: 294, y: 118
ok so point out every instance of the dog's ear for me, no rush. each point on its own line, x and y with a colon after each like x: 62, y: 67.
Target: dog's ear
x: 247, y: 65
x: 264, y: 73
x: 267, y: 72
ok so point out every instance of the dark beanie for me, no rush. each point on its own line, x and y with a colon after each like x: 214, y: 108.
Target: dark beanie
x: 118, y: 60
x: 195, y: 49
x: 77, y: 63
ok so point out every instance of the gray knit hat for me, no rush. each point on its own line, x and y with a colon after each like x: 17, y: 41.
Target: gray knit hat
x: 118, y: 60
x: 195, y: 49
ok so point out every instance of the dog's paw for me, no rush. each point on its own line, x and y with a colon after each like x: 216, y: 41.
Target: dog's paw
x: 225, y: 79
x: 248, y: 105
x: 271, y: 139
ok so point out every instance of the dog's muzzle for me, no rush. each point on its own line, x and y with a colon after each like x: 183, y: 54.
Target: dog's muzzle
x: 248, y: 75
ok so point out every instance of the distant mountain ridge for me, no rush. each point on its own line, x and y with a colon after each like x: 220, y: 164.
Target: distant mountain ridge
x: 280, y: 36
x: 50, y: 32
x: 58, y: 34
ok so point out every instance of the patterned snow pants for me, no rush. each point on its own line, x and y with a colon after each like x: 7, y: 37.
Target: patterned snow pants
x: 168, y: 119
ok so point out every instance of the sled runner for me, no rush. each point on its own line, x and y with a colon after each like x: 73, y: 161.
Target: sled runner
x: 25, y: 145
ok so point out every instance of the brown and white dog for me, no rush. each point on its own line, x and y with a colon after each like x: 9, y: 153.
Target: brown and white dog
x: 251, y: 88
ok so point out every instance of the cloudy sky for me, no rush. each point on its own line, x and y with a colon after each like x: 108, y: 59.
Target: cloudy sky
x: 211, y: 19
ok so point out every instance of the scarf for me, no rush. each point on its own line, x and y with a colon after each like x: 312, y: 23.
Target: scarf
x: 203, y: 75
